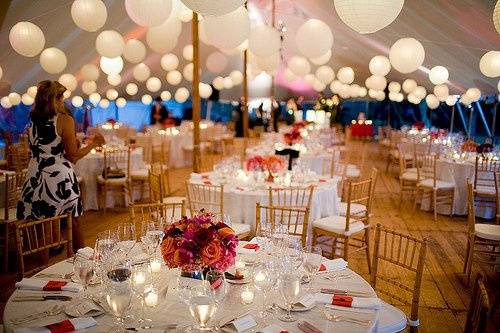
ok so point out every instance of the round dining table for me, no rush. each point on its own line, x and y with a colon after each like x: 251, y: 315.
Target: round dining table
x: 171, y: 314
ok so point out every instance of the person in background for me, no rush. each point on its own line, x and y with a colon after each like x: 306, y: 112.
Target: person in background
x: 158, y: 112
x: 237, y: 117
x: 275, y: 109
x: 51, y: 187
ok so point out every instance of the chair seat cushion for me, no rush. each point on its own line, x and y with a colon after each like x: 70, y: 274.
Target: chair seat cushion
x: 355, y: 208
x: 112, y: 181
x: 411, y: 170
x: 410, y: 176
x: 488, y: 231
x: 336, y: 224
x: 12, y: 214
x: 174, y: 199
x: 140, y: 174
x: 485, y: 190
x: 241, y: 228
x: 391, y: 319
x: 352, y: 173
x: 439, y: 184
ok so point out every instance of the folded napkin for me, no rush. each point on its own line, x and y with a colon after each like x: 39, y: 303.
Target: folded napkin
x: 249, y: 248
x: 64, y: 326
x: 274, y: 329
x: 207, y: 182
x: 307, y: 327
x: 38, y: 284
x: 348, y: 301
x: 333, y: 265
x: 86, y: 252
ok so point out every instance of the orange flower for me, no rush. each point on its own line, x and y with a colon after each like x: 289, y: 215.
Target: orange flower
x: 226, y: 231
x: 211, y: 253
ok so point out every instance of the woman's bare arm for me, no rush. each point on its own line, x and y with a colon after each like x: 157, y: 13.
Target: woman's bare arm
x: 71, y: 150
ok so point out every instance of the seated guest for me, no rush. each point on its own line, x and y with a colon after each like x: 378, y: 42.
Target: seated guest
x: 158, y: 112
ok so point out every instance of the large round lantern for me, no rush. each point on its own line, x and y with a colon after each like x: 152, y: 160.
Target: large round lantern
x: 53, y: 60
x: 5, y: 102
x: 131, y: 89
x: 174, y: 77
x: 111, y: 94
x: 228, y: 83
x: 89, y: 15
x: 323, y: 59
x: 419, y: 92
x: 216, y: 62
x: 68, y: 81
x: 432, y: 101
x: 346, y: 75
x: 187, y: 52
x: 181, y: 95
x: 376, y: 82
x: 153, y: 84
x: 474, y: 94
x: 218, y: 83
x: 32, y: 91
x: 111, y: 65
x: 205, y: 90
x: 121, y: 102
x: 442, y: 92
x: 394, y: 87
x: 213, y: 7
x: 27, y: 99
x: 163, y: 38
x: 165, y: 95
x: 89, y: 87
x: 496, y: 17
x: 370, y: 16
x: 77, y: 101
x: 110, y: 44
x: 380, y: 65
x: 264, y: 41
x: 27, y: 39
x: 409, y: 85
x: 104, y: 103
x: 89, y: 72
x: 451, y: 100
x: 148, y: 13
x: 490, y: 64
x: 438, y: 75
x: 141, y: 72
x: 146, y: 99
x: 299, y: 66
x: 307, y: 36
x: 14, y: 98
x: 407, y: 55
x: 234, y: 25
x: 114, y: 79
x: 94, y: 98
x: 325, y: 74
x: 169, y: 62
x: 187, y: 72
x: 134, y: 51
x: 236, y: 77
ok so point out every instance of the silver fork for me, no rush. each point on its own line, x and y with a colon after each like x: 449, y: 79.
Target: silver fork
x: 337, y: 318
x: 53, y: 311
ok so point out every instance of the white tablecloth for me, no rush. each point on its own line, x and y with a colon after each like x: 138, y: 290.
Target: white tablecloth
x: 91, y: 166
x: 170, y: 310
x: 178, y: 158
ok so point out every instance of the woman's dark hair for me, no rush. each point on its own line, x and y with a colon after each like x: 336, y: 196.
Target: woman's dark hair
x: 47, y: 96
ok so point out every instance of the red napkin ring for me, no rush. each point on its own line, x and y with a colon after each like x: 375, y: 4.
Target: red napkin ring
x: 322, y: 268
x: 64, y: 326
x: 216, y: 283
x: 342, y: 300
x: 322, y: 180
x: 207, y: 182
x: 251, y: 246
x: 54, y: 285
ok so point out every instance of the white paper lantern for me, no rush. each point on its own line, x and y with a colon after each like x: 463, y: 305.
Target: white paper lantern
x: 490, y: 64
x: 318, y: 86
x: 111, y: 65
x: 109, y: 44
x: 183, y: 13
x: 380, y: 65
x: 380, y: 96
x: 94, y: 98
x: 370, y: 16
x: 89, y: 15
x: 67, y: 94
x: 441, y: 91
x: 414, y: 99
x: 325, y: 74
x: 165, y: 95
x: 181, y: 95
x: 394, y: 87
x: 114, y: 79
x: 141, y: 72
x: 174, y: 77
x: 163, y: 38
x: 393, y: 96
x: 432, y: 101
x: 407, y: 55
x: 236, y: 77
x: 53, y: 60
x: 451, y: 100
x: 496, y: 17
x: 131, y: 89
x: 121, y: 102
x: 335, y: 86
x: 77, y: 101
x: 473, y: 94
x: 321, y: 60
x: 438, y: 75
x: 148, y: 13
x: 346, y: 75
x: 216, y: 62
x: 153, y: 84
x: 376, y: 82
x: 307, y: 36
x: 27, y: 39
x: 234, y: 25
x: 344, y: 91
x: 465, y: 100
x: 111, y: 94
x: 205, y: 90
x: 134, y: 51
x: 309, y: 79
x: 218, y: 83
x: 32, y: 91
x: 264, y: 41
x: 187, y: 52
x: 103, y: 103
x: 400, y: 97
x: 146, y: 99
x: 5, y: 102
x: 372, y: 93
x: 27, y: 99
x: 299, y: 66
x: 89, y: 72
x: 362, y: 92
x: 228, y: 83
x: 215, y: 8
x: 88, y: 87
x: 289, y: 76
x: 419, y: 92
x: 187, y: 72
x: 354, y: 90
x: 68, y: 81
x: 409, y: 85
x: 169, y: 62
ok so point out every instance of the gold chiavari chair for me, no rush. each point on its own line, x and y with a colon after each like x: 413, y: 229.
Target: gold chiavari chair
x: 14, y: 183
x: 484, y: 181
x: 294, y: 219
x: 479, y: 308
x: 355, y: 161
x: 36, y: 238
x: 359, y: 208
x: 399, y: 253
x: 395, y: 138
x: 408, y: 174
x: 154, y: 211
x: 351, y: 230
x: 115, y: 176
x: 439, y: 192
x: 158, y: 182
x: 210, y: 198
x: 18, y: 156
x: 291, y: 196
x: 483, y: 242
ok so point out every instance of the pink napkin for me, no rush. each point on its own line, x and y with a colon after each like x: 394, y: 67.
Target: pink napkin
x: 44, y: 285
x: 65, y: 326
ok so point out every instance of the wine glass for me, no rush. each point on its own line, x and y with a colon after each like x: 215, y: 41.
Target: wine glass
x: 126, y: 237
x: 84, y: 271
x: 151, y: 236
x: 103, y: 251
x: 118, y: 298
x: 312, y: 261
x: 140, y: 281
x: 290, y: 291
x: 186, y: 281
x: 218, y: 284
x: 263, y: 280
x: 293, y: 253
x: 202, y: 306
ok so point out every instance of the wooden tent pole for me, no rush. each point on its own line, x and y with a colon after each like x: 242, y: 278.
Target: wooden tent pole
x: 273, y: 88
x: 196, y: 94
x: 245, y: 98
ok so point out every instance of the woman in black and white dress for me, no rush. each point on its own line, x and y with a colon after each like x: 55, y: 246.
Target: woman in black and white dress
x: 51, y: 187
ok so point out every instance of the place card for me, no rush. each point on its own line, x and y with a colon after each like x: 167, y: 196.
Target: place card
x: 244, y: 323
x: 307, y: 301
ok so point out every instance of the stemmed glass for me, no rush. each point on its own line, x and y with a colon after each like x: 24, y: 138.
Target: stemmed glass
x: 185, y: 283
x: 151, y: 236
x: 103, y: 251
x: 263, y: 280
x: 127, y: 237
x: 292, y: 255
x: 312, y: 261
x: 218, y: 284
x: 140, y: 281
x: 118, y: 297
x: 290, y: 291
x: 84, y: 271
x: 202, y: 306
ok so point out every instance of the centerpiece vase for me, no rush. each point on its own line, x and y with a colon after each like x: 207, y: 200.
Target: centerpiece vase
x: 270, y: 177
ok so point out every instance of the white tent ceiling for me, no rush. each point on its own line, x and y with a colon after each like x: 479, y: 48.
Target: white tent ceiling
x: 454, y: 33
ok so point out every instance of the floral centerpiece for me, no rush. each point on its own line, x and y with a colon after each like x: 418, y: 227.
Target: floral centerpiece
x: 270, y: 164
x: 199, y: 243
x: 469, y: 146
x: 293, y: 136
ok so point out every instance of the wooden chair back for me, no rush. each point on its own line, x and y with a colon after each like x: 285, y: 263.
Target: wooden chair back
x: 477, y: 314
x: 293, y: 219
x: 37, y: 237
x: 154, y: 211
x: 300, y: 197
x: 156, y: 183
x: 14, y: 183
x: 405, y: 252
x: 18, y: 156
x: 426, y: 166
x: 359, y: 193
x: 160, y: 153
x: 209, y: 198
x: 359, y: 157
x: 116, y: 159
x: 484, y: 170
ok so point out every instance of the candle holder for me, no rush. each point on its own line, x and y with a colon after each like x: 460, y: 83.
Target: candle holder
x: 247, y: 296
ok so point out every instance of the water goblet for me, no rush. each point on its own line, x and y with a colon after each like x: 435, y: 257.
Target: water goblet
x: 290, y: 285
